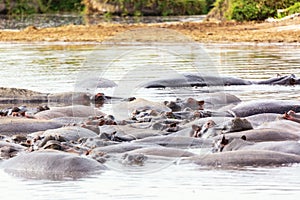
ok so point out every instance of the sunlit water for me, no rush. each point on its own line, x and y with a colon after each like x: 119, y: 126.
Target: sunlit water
x: 59, y: 67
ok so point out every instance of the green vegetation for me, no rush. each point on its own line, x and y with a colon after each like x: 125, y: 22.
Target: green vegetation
x: 159, y: 7
x: 290, y: 10
x: 122, y: 7
x: 26, y: 7
x: 247, y: 10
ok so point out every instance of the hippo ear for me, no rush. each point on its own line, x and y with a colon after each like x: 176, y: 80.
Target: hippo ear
x: 292, y: 81
x: 196, y: 127
x: 224, y: 140
x: 243, y: 137
x: 201, y: 103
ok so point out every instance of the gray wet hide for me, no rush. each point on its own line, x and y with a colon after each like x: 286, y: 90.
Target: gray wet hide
x: 162, y: 151
x: 259, y: 119
x: 70, y: 133
x: 254, y: 107
x: 124, y: 110
x: 70, y: 97
x: 11, y: 125
x: 245, y: 158
x: 127, y: 133
x: 69, y: 111
x: 199, y: 80
x: 176, y: 141
x: 283, y: 125
x: 262, y: 134
x: 292, y: 147
x: 51, y: 164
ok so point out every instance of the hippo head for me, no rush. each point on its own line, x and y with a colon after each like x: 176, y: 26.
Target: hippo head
x: 194, y: 104
x: 209, y: 129
x: 174, y: 106
x: 133, y: 159
x: 237, y: 124
x: 99, y: 99
x: 219, y: 145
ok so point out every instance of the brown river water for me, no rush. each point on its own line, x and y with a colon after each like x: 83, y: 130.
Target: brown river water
x: 60, y: 67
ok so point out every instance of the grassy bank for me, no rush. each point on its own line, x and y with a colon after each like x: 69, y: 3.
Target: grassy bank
x: 248, y: 10
x: 27, y: 7
x: 148, y: 7
x: 108, y: 7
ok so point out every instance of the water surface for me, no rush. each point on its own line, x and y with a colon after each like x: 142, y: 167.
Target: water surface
x: 58, y: 67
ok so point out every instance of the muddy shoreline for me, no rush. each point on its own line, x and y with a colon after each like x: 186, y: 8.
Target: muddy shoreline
x: 287, y: 31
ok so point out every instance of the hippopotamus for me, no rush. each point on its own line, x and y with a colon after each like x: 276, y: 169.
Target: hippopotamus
x: 291, y: 147
x: 93, y: 142
x: 126, y: 133
x: 292, y: 115
x: 176, y: 141
x: 9, y: 150
x: 263, y: 134
x: 18, y: 95
x: 92, y: 82
x: 179, y: 104
x: 70, y: 133
x: 117, y: 148
x: 70, y: 98
x: 162, y: 151
x: 123, y: 110
x: 254, y: 107
x: 212, y: 129
x: 281, y: 80
x: 202, y: 80
x: 133, y: 159
x: 287, y: 126
x: 10, y: 125
x: 69, y: 111
x: 244, y: 158
x: 259, y: 119
x: 191, y: 80
x: 51, y: 164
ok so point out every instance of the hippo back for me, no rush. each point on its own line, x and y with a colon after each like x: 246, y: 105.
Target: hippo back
x: 50, y: 164
x: 265, y: 106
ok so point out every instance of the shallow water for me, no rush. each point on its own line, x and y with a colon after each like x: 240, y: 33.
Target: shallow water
x: 59, y: 67
x: 55, y: 20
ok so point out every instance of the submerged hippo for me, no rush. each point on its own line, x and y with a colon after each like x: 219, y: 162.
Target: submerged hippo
x: 51, y: 164
x: 69, y: 111
x: 70, y: 133
x: 291, y: 147
x: 70, y: 97
x: 126, y: 133
x: 212, y: 129
x: 175, y: 141
x: 191, y: 80
x: 254, y: 107
x: 281, y: 80
x: 162, y: 151
x: 263, y: 134
x: 18, y: 95
x: 10, y: 126
x: 245, y: 158
x: 9, y: 150
x: 202, y: 80
x: 125, y: 109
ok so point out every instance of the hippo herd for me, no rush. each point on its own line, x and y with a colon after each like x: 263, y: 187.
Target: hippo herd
x: 78, y: 140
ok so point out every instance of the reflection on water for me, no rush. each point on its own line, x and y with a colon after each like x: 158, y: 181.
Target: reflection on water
x: 175, y: 182
x: 55, y: 20
x: 57, y: 67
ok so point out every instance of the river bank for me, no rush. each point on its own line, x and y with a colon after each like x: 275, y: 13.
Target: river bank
x: 279, y: 31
